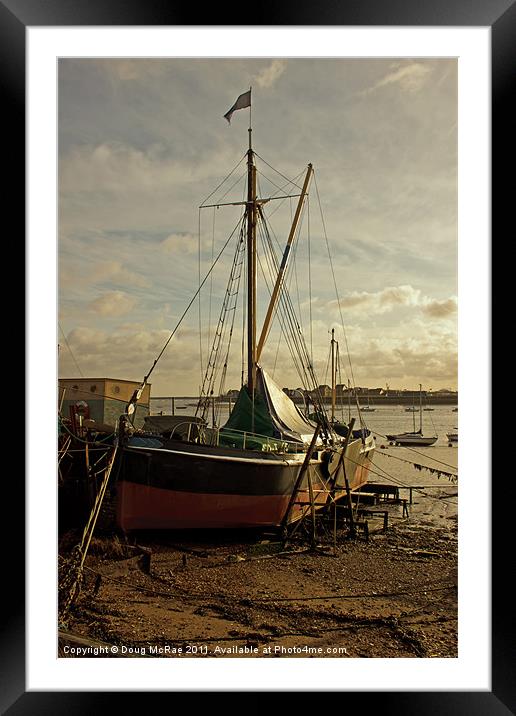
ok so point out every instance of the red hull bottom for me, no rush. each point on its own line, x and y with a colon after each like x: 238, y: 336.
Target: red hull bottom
x: 144, y: 507
x: 141, y: 506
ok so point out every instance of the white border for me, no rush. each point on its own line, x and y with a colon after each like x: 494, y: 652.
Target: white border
x: 471, y: 671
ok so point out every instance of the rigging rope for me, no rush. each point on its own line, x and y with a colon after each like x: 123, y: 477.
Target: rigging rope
x: 71, y: 352
x: 360, y: 416
x: 199, y: 302
x: 290, y: 181
x: 294, y: 337
x: 333, y: 275
x: 135, y: 397
x: 229, y: 304
x: 224, y: 180
x: 71, y: 572
x: 310, y: 282
x: 418, y: 466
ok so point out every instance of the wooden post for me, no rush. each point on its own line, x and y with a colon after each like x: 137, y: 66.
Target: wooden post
x: 97, y: 586
x: 333, y: 381
x: 334, y: 528
x: 346, y: 482
x: 312, y: 506
x: 145, y: 559
x: 302, y: 471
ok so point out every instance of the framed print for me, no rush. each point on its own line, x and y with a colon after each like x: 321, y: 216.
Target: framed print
x: 77, y: 71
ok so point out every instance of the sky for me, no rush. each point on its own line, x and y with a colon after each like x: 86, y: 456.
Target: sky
x: 143, y: 143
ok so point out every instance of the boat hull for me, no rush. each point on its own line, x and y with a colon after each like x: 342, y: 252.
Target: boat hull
x: 411, y: 439
x: 192, y: 487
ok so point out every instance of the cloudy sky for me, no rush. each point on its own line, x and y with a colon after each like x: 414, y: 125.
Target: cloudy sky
x: 142, y: 143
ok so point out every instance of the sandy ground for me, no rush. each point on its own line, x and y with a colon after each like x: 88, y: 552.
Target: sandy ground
x: 233, y: 595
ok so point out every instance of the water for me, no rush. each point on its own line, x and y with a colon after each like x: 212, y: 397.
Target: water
x: 385, y: 419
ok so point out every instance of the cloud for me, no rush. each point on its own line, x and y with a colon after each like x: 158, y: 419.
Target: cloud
x: 118, y: 168
x: 390, y: 299
x: 382, y: 301
x: 440, y: 309
x: 113, y: 303
x: 137, y: 69
x: 180, y: 242
x: 268, y: 76
x: 410, y: 78
x: 115, y: 272
x: 128, y: 352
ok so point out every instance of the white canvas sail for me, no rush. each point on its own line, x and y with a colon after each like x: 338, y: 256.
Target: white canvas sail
x: 285, y: 412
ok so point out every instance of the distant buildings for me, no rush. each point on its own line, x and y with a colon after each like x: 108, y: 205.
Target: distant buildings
x: 390, y: 395
x: 386, y: 395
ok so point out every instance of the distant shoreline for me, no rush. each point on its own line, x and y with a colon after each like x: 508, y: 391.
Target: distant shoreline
x: 374, y: 402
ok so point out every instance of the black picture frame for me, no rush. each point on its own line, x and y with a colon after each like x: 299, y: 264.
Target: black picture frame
x: 15, y: 17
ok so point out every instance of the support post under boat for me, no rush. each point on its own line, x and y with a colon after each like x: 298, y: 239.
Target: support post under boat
x: 346, y: 481
x: 304, y: 468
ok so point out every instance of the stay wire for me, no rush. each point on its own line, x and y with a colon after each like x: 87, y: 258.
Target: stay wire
x: 223, y: 181
x: 71, y: 352
x: 405, y: 447
x: 192, y: 300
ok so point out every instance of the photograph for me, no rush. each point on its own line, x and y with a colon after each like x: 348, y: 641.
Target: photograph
x: 258, y: 277
x: 257, y: 357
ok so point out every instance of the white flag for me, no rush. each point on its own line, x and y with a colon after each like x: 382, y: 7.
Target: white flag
x: 242, y: 102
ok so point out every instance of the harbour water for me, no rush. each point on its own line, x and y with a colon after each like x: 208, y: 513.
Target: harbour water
x: 385, y: 419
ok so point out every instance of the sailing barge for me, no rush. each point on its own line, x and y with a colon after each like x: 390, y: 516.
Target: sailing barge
x: 233, y: 477
x: 270, y: 463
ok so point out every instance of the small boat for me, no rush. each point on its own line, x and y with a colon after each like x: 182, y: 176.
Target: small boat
x: 415, y: 437
x: 367, y: 408
x: 453, y: 437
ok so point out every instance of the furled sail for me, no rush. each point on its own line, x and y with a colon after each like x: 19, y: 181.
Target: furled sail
x: 272, y: 414
x: 284, y: 412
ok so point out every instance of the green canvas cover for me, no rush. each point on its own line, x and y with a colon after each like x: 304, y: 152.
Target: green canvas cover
x: 241, y: 417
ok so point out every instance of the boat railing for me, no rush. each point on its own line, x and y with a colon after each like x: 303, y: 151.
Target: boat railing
x: 246, y: 439
x: 267, y: 443
x: 191, y: 424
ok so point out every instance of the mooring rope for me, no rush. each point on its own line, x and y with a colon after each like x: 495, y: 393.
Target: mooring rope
x: 72, y: 572
x: 405, y: 447
x: 417, y: 466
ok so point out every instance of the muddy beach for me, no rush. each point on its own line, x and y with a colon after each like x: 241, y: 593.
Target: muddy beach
x: 391, y: 595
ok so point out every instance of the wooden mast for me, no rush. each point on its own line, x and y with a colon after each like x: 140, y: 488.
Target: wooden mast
x: 283, y: 267
x: 420, y: 412
x: 251, y: 268
x: 333, y: 387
